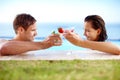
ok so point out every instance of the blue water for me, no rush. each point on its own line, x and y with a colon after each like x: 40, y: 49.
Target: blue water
x: 68, y: 46
x: 45, y: 29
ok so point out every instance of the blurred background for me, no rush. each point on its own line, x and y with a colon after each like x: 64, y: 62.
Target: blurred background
x: 51, y: 14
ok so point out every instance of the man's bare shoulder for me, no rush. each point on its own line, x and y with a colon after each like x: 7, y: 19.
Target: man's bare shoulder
x: 3, y: 41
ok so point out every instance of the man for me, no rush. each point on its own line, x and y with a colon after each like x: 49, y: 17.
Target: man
x: 25, y: 29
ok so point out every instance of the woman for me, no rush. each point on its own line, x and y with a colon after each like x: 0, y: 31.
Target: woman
x: 95, y: 32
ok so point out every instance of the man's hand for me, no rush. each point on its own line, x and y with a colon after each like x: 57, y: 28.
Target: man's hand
x: 54, y: 40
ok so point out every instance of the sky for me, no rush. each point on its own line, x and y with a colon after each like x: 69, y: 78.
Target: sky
x: 60, y: 10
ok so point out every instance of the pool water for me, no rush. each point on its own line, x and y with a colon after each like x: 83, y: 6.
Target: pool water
x: 66, y: 45
x: 45, y: 29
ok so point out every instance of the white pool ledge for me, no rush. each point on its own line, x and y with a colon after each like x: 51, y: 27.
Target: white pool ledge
x: 62, y: 55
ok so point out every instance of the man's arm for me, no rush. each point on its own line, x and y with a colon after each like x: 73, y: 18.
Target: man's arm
x: 17, y: 47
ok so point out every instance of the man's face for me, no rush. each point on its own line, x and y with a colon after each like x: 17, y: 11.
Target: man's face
x: 30, y: 33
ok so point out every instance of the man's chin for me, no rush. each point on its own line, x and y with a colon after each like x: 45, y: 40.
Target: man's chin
x: 31, y: 40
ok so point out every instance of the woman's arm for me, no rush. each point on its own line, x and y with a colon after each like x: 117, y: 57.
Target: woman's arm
x: 101, y: 46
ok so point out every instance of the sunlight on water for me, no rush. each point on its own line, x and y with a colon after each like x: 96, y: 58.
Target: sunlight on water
x: 66, y: 45
x: 45, y: 29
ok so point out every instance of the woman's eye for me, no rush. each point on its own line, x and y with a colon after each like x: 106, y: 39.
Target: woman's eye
x: 88, y: 31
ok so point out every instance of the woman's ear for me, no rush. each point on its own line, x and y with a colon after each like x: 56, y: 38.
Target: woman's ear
x: 98, y: 31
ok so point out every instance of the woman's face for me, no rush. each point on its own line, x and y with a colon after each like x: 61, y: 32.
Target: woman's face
x: 90, y: 33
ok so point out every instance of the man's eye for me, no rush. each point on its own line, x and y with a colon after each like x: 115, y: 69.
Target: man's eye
x: 33, y: 30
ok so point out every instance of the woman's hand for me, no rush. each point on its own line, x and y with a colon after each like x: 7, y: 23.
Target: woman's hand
x: 72, y: 37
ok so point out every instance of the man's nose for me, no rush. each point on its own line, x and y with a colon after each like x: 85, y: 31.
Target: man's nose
x: 35, y: 33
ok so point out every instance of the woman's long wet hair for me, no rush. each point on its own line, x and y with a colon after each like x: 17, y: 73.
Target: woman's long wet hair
x: 97, y: 23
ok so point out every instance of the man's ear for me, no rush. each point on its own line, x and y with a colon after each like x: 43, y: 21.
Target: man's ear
x: 20, y: 30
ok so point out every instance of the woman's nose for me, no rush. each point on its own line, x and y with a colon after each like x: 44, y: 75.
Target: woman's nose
x: 84, y: 34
